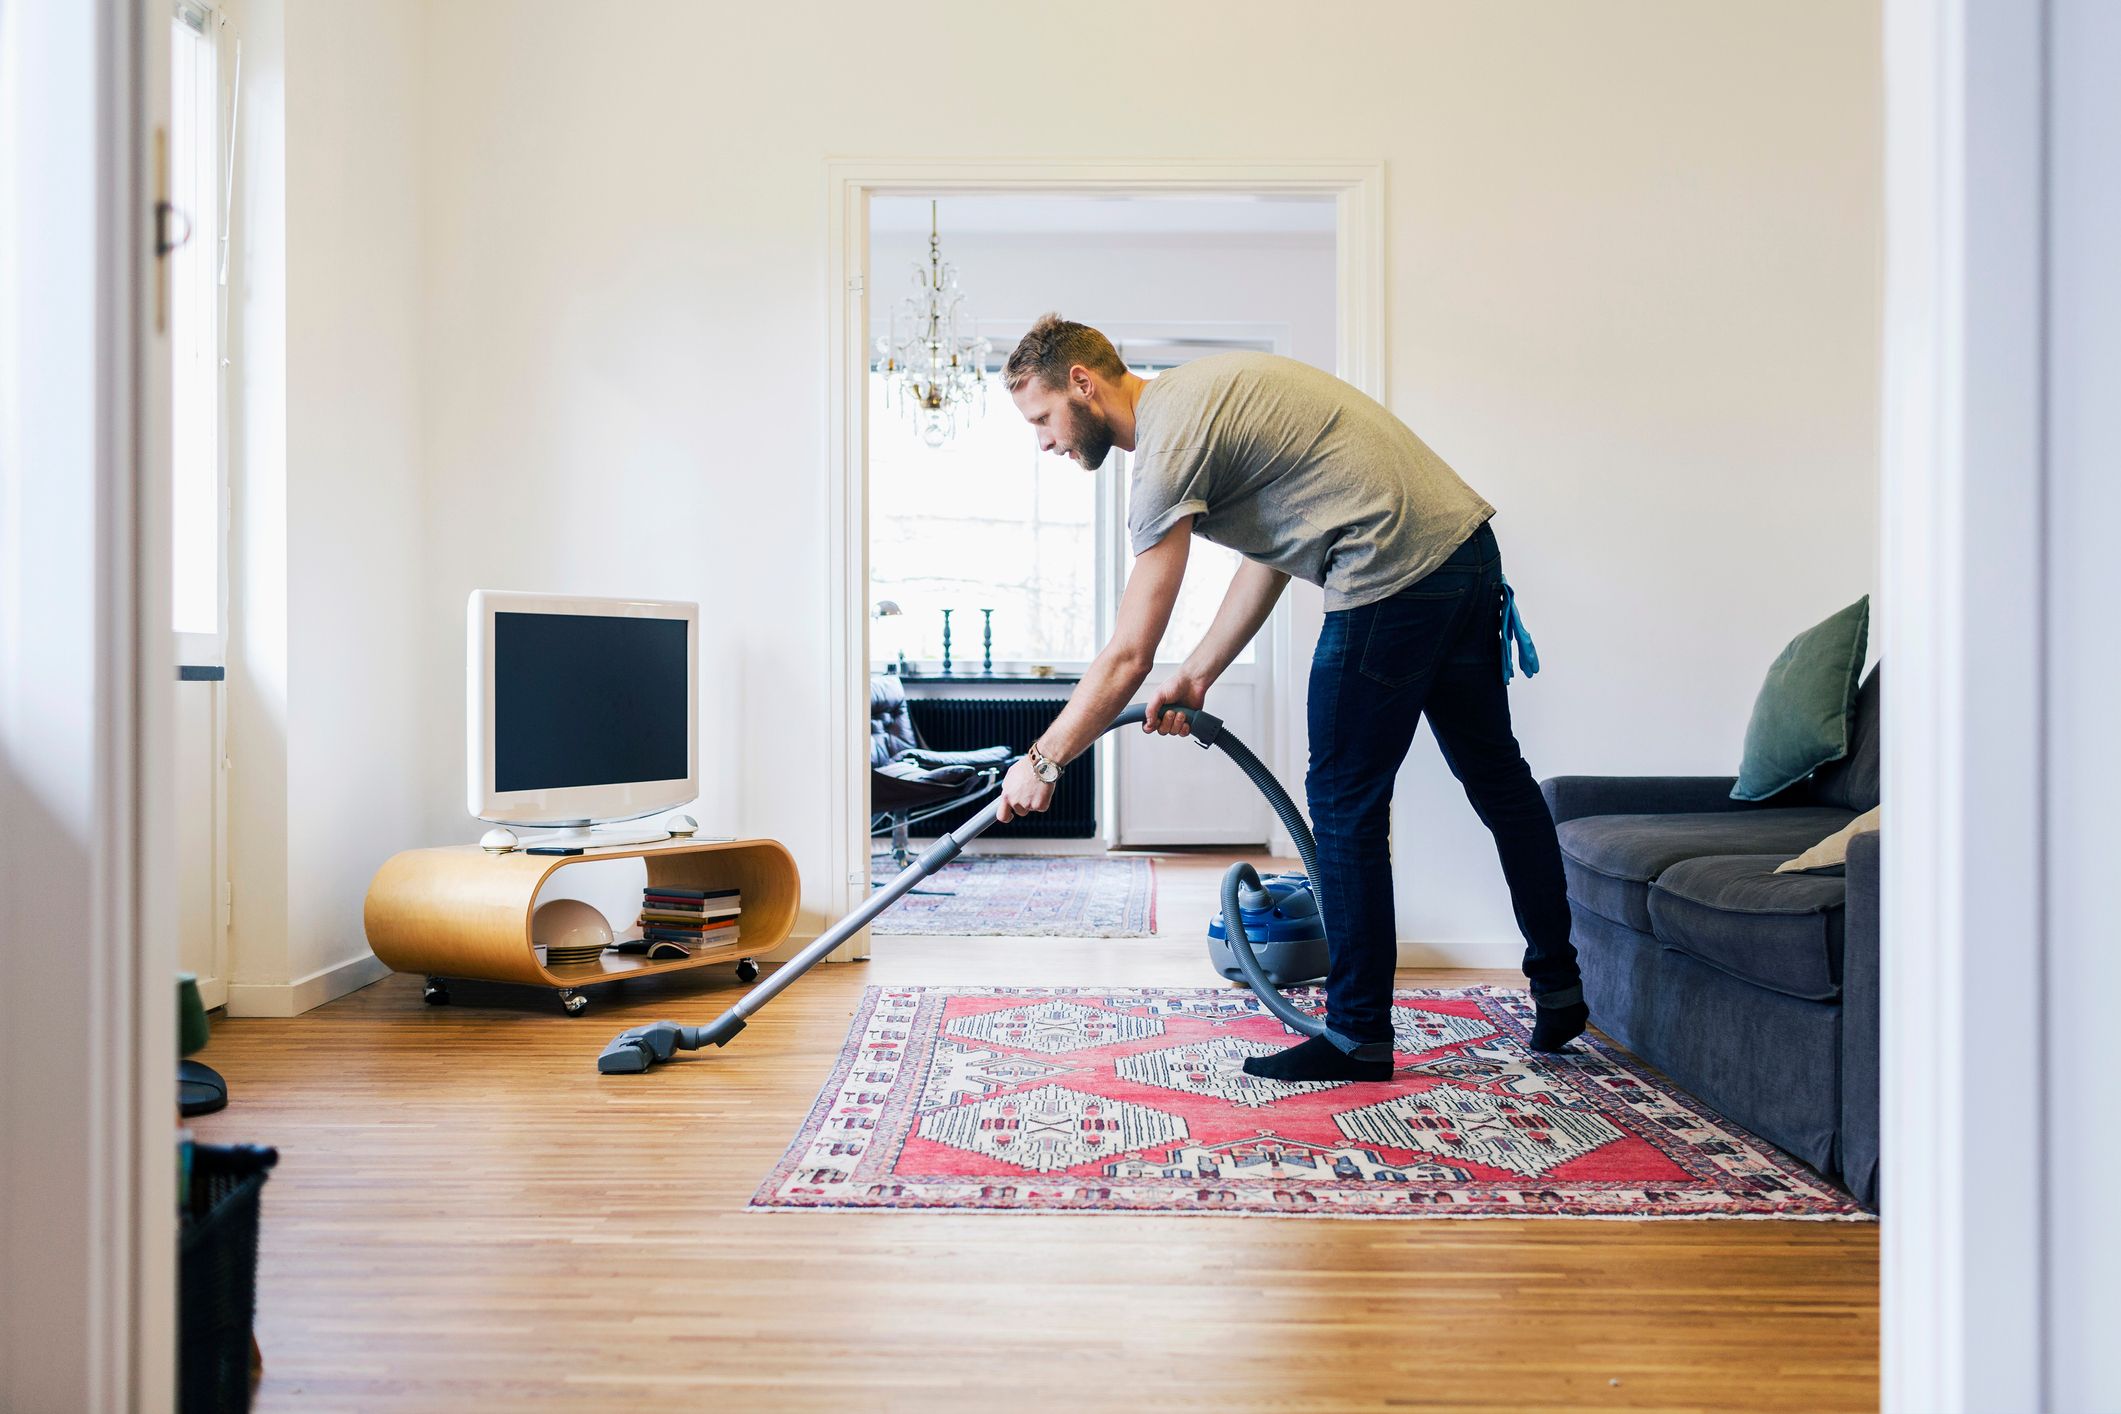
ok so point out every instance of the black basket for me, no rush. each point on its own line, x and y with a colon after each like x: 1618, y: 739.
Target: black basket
x: 217, y: 1276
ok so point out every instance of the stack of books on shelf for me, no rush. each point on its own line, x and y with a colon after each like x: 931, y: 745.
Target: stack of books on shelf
x: 679, y: 922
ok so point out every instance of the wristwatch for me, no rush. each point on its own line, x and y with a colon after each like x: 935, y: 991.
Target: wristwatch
x: 1042, y: 766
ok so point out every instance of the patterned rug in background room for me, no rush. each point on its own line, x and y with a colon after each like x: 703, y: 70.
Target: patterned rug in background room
x: 1025, y: 895
x: 1131, y: 1100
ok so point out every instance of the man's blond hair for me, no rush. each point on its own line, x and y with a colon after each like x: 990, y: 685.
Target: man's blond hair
x: 1052, y: 347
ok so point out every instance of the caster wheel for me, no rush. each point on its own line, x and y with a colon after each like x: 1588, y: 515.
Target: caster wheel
x: 574, y: 1003
x: 436, y: 994
x: 747, y: 969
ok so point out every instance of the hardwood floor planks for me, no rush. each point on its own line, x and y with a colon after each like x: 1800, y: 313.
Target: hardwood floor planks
x: 467, y: 1215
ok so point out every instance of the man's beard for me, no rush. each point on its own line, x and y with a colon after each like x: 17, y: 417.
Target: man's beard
x: 1089, y: 436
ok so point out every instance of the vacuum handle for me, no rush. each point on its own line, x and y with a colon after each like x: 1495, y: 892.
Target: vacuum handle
x: 1205, y: 724
x: 1205, y: 727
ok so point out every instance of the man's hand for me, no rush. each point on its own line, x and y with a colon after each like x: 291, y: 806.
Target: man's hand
x: 1023, y: 793
x: 1180, y: 690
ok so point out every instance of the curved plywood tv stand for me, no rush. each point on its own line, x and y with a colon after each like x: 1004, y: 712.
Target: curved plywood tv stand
x: 459, y: 912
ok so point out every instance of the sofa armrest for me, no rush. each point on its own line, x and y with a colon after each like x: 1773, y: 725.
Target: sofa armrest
x: 1859, y: 1023
x: 1573, y: 797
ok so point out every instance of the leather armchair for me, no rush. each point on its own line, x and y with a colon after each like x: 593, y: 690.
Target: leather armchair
x: 909, y: 783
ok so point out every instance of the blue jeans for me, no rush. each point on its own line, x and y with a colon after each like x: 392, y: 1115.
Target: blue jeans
x: 1434, y: 649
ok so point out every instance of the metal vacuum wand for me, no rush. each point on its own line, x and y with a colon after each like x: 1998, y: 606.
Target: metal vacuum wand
x: 633, y: 1051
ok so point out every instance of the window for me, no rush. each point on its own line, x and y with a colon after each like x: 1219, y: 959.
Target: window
x: 987, y: 521
x: 195, y: 275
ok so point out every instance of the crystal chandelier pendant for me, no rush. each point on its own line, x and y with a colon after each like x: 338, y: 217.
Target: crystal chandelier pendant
x: 937, y: 368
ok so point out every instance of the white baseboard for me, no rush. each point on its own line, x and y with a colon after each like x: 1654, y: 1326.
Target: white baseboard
x: 1502, y: 957
x: 305, y: 993
x: 856, y: 951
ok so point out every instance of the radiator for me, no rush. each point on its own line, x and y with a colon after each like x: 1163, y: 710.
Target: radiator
x: 968, y: 723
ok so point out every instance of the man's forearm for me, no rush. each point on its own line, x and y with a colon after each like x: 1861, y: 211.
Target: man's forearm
x: 1108, y: 685
x: 1253, y: 593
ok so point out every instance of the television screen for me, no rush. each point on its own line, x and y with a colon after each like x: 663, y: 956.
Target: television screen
x: 588, y: 700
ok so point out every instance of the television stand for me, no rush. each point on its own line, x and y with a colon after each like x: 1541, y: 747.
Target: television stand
x: 459, y: 912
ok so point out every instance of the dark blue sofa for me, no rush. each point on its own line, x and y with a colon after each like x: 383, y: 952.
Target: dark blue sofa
x: 1756, y: 991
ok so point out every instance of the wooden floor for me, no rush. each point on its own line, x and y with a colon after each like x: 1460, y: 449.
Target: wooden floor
x: 466, y: 1216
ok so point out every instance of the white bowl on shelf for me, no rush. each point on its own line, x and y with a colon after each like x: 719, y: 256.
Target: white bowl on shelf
x: 568, y: 925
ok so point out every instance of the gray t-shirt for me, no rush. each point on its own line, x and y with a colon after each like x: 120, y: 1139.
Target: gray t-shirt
x: 1287, y: 465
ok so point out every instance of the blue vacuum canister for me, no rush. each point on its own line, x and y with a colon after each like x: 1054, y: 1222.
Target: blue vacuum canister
x: 1282, y: 923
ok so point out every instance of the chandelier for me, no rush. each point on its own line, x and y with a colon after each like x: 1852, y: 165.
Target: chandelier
x: 939, y: 367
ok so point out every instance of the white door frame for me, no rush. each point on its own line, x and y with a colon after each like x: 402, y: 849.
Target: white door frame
x: 88, y: 1023
x: 1358, y: 191
x: 2002, y: 347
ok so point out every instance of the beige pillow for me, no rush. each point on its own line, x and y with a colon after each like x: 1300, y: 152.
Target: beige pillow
x: 1834, y: 849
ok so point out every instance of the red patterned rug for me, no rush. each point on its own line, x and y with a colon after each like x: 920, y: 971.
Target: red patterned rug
x: 1131, y: 1100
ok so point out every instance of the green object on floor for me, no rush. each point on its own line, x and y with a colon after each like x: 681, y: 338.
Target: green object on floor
x: 200, y: 1088
x: 191, y: 1015
x: 1801, y: 719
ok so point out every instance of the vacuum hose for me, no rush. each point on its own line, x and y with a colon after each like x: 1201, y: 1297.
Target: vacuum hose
x: 1208, y: 730
x: 635, y: 1050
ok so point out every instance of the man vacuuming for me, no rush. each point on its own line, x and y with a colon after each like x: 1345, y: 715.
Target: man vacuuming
x: 1305, y: 476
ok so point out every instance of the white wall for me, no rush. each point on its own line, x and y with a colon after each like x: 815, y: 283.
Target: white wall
x: 327, y: 550
x: 87, y: 1030
x: 55, y: 691
x: 1633, y: 296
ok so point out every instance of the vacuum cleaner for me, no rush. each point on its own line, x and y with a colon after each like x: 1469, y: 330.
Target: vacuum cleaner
x: 1283, y: 909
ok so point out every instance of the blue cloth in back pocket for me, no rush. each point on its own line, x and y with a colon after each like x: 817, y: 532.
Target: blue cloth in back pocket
x: 1514, y: 633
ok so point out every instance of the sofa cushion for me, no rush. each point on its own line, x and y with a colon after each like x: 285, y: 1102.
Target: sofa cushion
x: 979, y: 756
x: 1852, y: 782
x: 1735, y: 913
x: 1831, y: 854
x: 1612, y: 860
x: 906, y: 784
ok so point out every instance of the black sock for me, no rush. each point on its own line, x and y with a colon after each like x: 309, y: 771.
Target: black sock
x: 1556, y: 1026
x: 1316, y: 1059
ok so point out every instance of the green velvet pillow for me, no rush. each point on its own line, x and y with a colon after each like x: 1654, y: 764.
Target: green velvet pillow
x: 1801, y: 718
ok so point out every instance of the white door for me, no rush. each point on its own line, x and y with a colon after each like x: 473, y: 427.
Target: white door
x: 200, y: 118
x: 1175, y: 792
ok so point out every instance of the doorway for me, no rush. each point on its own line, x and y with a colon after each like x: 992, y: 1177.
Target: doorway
x: 1006, y: 230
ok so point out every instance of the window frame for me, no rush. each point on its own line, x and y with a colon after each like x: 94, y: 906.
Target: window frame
x: 205, y: 205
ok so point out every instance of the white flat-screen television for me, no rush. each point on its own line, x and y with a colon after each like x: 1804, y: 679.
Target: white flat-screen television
x: 582, y: 711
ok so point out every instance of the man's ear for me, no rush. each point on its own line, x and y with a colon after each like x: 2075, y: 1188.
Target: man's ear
x: 1079, y: 381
